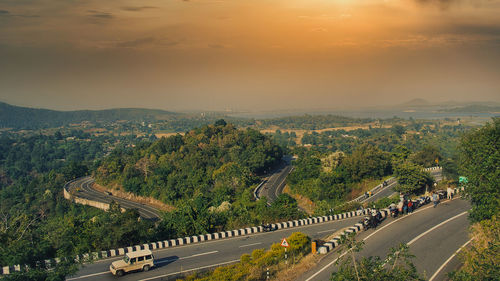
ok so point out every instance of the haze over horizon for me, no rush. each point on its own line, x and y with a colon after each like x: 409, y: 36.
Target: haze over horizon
x: 267, y: 55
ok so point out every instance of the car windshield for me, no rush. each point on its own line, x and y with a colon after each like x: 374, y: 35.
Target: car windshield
x: 126, y: 259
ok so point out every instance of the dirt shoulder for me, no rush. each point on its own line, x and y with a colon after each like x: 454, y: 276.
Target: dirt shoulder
x: 304, y: 203
x: 118, y: 192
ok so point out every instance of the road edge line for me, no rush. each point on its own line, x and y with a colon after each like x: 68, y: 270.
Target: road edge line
x: 449, y: 259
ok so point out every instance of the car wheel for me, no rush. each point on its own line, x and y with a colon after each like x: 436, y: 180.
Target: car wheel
x: 145, y: 268
x: 120, y: 273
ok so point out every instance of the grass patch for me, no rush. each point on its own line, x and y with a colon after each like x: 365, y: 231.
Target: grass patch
x: 357, y: 189
x: 304, y: 203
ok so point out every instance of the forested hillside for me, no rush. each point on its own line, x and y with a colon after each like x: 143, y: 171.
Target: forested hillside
x: 217, y: 159
x: 33, y: 118
x: 37, y: 222
x: 334, y: 166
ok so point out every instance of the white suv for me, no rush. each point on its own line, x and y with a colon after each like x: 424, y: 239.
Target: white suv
x: 138, y: 260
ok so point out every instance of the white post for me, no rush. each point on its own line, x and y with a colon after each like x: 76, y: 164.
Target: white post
x: 286, y: 260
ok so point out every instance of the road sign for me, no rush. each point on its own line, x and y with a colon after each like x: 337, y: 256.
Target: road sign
x: 462, y: 179
x: 284, y: 243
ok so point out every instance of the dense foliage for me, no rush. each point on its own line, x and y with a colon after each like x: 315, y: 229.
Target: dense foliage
x: 416, y: 136
x: 37, y: 222
x: 330, y: 177
x: 481, y: 257
x: 216, y: 159
x: 312, y: 122
x: 412, y: 177
x: 480, y: 163
x: 338, y: 162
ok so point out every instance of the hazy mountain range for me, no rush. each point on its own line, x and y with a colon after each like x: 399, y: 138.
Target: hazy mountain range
x: 17, y: 117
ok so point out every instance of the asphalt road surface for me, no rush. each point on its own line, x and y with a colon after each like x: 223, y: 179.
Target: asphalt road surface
x: 274, y: 184
x: 433, y: 234
x: 389, y: 189
x: 171, y: 261
x: 82, y: 187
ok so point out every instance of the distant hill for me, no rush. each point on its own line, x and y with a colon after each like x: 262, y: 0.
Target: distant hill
x: 17, y: 117
x: 474, y: 109
x: 415, y: 103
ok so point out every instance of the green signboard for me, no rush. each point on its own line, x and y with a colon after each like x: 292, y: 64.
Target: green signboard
x: 463, y: 180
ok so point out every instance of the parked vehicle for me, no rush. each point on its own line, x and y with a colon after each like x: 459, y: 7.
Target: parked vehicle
x: 441, y: 193
x: 108, y: 193
x: 394, y: 212
x: 268, y: 227
x: 371, y: 221
x: 133, y: 261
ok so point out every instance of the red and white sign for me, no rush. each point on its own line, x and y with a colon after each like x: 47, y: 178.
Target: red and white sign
x: 284, y: 243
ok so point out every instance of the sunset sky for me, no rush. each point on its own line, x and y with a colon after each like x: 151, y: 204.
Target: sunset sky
x: 247, y: 54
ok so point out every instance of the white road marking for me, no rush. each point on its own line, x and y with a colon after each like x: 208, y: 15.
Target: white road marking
x: 90, y: 275
x: 158, y: 250
x: 276, y: 191
x: 326, y: 266
x: 160, y: 262
x: 197, y: 255
x: 448, y: 260
x: 188, y: 270
x: 343, y: 254
x: 417, y: 211
x: 253, y: 244
x: 434, y: 227
x: 330, y: 230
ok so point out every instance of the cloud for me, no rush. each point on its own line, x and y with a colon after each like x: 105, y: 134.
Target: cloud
x: 100, y: 14
x: 136, y: 43
x: 443, y: 4
x: 477, y: 29
x: 216, y: 46
x: 145, y: 42
x: 5, y: 13
x: 319, y: 29
x: 137, y: 9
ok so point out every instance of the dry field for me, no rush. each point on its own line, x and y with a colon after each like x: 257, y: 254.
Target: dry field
x: 300, y: 133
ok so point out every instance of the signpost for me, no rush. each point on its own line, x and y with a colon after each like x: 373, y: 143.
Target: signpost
x: 463, y: 180
x: 285, y: 244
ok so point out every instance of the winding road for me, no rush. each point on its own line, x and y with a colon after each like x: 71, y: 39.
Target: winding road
x: 273, y: 184
x: 433, y: 234
x: 171, y: 262
x: 82, y: 187
x: 389, y: 189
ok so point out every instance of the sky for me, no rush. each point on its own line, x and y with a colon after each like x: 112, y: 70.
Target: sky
x: 246, y: 55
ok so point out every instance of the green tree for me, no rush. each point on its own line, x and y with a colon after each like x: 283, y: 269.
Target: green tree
x: 480, y: 162
x: 398, y: 130
x: 368, y: 161
x: 481, y: 256
x: 220, y: 122
x: 429, y: 156
x: 412, y: 177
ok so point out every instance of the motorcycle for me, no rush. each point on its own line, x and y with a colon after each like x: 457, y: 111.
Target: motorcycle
x: 371, y: 221
x: 394, y: 212
x: 366, y: 222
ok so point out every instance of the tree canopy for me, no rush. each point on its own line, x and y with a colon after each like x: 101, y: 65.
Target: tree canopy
x: 480, y: 163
